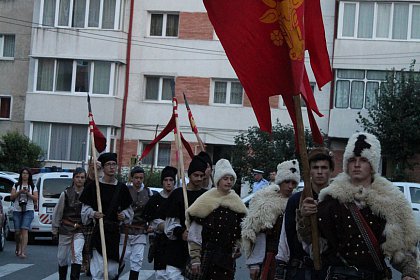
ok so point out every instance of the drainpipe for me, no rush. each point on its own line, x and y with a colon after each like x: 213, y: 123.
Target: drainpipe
x: 127, y: 79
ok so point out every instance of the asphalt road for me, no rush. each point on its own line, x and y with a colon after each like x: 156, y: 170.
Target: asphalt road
x: 41, y: 264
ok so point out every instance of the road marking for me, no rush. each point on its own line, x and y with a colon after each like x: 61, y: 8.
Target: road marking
x: 12, y: 267
x: 144, y: 274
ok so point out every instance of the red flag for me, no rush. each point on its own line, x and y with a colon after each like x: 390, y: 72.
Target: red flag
x: 169, y: 127
x: 100, y: 140
x: 265, y: 42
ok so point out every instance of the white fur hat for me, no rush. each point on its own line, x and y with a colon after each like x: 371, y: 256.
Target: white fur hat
x: 223, y: 168
x: 364, y: 145
x: 288, y: 170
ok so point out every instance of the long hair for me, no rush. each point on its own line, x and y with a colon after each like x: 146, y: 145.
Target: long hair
x: 30, y: 181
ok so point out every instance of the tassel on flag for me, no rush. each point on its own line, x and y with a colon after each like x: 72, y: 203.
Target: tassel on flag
x: 100, y: 140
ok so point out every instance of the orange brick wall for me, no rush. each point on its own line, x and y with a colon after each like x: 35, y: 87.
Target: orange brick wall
x: 195, y: 26
x: 130, y: 149
x: 247, y: 103
x: 274, y: 101
x: 197, y: 90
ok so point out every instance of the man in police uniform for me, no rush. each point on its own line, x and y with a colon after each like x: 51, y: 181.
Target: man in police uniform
x: 134, y: 236
x: 67, y: 222
x: 259, y: 182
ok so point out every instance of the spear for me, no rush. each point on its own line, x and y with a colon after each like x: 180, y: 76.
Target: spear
x: 179, y: 155
x: 92, y: 130
x: 193, y: 125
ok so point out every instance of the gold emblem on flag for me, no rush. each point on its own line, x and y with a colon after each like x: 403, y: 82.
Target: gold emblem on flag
x: 284, y: 12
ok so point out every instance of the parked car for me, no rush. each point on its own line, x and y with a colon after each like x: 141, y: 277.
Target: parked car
x: 411, y: 192
x: 7, y: 180
x: 50, y: 186
x: 2, y: 224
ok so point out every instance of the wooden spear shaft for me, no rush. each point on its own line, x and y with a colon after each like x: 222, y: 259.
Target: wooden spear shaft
x: 307, y: 190
x: 98, y: 200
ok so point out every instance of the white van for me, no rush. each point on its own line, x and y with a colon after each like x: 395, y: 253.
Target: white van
x: 411, y: 192
x: 50, y: 186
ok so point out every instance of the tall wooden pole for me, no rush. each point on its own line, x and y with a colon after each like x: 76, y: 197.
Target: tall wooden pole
x: 98, y: 199
x: 307, y: 190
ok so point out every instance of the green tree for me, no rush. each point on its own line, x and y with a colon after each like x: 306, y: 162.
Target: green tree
x: 395, y: 120
x: 16, y: 151
x: 260, y: 150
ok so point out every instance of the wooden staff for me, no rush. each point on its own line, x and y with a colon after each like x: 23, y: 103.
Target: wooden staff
x: 193, y: 125
x: 98, y: 199
x: 180, y: 156
x: 307, y: 190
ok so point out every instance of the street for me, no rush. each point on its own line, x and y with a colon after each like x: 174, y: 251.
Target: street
x: 41, y: 264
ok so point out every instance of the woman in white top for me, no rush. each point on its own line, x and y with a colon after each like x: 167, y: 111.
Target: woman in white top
x: 24, y: 194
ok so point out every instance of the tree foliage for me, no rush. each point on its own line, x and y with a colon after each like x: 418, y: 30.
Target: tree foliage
x: 17, y: 151
x: 395, y: 120
x: 260, y: 150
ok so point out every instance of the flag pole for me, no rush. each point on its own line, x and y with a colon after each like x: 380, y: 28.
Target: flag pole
x: 307, y: 190
x: 98, y: 196
x: 193, y: 125
x: 180, y: 156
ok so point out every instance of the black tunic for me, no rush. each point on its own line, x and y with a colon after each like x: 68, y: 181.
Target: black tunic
x: 152, y: 211
x: 177, y: 250
x: 122, y: 201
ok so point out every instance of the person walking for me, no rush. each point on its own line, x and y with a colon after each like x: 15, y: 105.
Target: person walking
x: 215, y: 232
x: 116, y: 200
x: 261, y: 228
x: 364, y: 219
x: 292, y: 261
x: 175, y: 228
x: 25, y: 196
x: 67, y: 224
x: 156, y: 219
x: 134, y: 235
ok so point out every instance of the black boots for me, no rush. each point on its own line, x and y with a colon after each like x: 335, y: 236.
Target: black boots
x: 75, y: 271
x: 134, y: 275
x: 62, y: 272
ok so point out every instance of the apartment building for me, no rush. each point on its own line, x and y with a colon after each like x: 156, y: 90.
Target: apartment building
x: 15, y: 39
x: 372, y: 37
x: 81, y: 47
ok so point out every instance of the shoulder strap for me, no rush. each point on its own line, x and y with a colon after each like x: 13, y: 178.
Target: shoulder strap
x: 367, y: 234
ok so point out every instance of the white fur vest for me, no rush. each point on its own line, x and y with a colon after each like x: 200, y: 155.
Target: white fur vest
x: 386, y: 201
x: 213, y: 199
x: 265, y: 207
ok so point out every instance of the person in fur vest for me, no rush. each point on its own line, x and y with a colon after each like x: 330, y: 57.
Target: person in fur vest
x: 261, y: 228
x: 214, y: 233
x: 364, y: 219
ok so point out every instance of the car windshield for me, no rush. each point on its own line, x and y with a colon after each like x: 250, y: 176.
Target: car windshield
x: 53, y: 187
x: 415, y: 195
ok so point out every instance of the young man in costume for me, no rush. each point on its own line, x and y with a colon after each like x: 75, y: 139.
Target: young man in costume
x: 207, y: 181
x: 175, y: 228
x: 154, y: 216
x: 116, y: 201
x: 364, y: 219
x: 215, y: 232
x: 261, y: 228
x: 134, y: 235
x: 291, y: 253
x: 67, y: 222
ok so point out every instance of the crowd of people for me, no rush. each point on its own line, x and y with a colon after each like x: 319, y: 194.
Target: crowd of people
x: 362, y: 220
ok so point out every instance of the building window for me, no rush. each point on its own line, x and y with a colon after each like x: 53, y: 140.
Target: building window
x: 102, y: 14
x: 66, y: 75
x: 160, y: 155
x: 7, y: 45
x: 227, y: 92
x: 5, y: 107
x: 379, y: 20
x: 62, y: 141
x: 159, y: 88
x: 164, y: 24
x: 357, y: 89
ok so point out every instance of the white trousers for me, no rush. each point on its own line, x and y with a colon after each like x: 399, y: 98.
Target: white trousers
x: 134, y: 251
x: 97, y: 267
x: 174, y: 273
x: 70, y: 249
